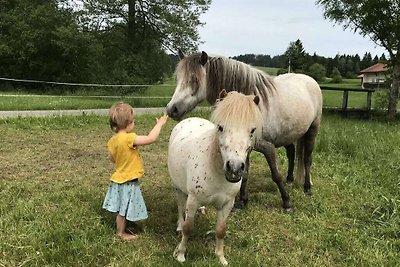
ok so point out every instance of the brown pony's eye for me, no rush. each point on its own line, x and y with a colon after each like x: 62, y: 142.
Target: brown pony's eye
x: 220, y: 128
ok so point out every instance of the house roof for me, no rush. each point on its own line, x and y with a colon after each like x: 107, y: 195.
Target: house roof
x: 378, y: 67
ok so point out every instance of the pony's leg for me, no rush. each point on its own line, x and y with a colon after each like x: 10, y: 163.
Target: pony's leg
x: 269, y: 151
x: 290, y: 154
x: 191, y: 208
x: 309, y: 142
x: 243, y: 196
x: 181, y: 199
x: 222, y: 218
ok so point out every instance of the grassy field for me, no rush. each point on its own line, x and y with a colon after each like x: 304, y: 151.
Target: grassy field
x: 157, y: 96
x: 269, y: 70
x: 54, y: 174
x: 154, y: 96
x: 346, y: 83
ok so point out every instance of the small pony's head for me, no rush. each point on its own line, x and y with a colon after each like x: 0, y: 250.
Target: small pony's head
x: 190, y: 85
x: 239, y: 124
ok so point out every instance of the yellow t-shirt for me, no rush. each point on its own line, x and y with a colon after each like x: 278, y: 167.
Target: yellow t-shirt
x: 128, y: 162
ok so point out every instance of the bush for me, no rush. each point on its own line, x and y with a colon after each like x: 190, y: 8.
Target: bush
x: 336, y: 76
x: 281, y: 71
x: 381, y: 99
x: 317, y: 71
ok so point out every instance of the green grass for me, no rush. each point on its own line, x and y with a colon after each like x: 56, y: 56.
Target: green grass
x: 346, y: 83
x: 269, y: 70
x: 54, y: 174
x: 154, y: 96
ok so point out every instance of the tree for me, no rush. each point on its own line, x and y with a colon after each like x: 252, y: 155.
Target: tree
x: 366, y: 60
x: 317, y: 71
x: 40, y: 41
x: 336, y: 77
x: 380, y: 21
x: 136, y: 34
x: 171, y: 24
x: 296, y: 54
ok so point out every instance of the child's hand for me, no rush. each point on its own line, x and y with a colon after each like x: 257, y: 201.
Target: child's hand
x: 163, y: 119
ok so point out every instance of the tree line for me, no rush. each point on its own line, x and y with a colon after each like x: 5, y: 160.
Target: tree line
x: 319, y: 67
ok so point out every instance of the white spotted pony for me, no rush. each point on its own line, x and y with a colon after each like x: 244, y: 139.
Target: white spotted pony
x: 207, y: 161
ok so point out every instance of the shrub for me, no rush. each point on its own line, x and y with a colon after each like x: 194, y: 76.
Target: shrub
x: 381, y: 99
x: 336, y: 76
x: 317, y: 71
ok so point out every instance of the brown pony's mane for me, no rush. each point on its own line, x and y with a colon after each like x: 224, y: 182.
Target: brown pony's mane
x: 236, y: 111
x: 232, y: 75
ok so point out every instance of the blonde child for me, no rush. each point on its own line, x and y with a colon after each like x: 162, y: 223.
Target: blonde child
x: 124, y: 196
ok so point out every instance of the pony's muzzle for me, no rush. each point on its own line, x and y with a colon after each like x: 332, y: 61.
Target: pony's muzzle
x: 173, y: 112
x: 234, y: 171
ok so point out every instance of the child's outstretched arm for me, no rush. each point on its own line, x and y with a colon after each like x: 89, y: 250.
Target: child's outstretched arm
x: 153, y: 134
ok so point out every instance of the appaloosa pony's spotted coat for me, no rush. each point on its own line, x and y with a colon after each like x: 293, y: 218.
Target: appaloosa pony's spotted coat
x: 207, y: 161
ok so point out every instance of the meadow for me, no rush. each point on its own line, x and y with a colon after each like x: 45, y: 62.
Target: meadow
x: 54, y: 173
x: 154, y: 96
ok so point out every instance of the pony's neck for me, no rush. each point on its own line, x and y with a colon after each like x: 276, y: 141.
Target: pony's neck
x: 231, y: 75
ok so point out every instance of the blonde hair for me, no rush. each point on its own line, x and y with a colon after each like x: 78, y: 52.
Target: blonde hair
x: 237, y: 110
x: 120, y: 116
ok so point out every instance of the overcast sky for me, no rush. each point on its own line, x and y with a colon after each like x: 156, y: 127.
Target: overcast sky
x: 235, y: 27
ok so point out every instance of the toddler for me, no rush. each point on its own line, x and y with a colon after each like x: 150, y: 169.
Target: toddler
x: 124, y: 195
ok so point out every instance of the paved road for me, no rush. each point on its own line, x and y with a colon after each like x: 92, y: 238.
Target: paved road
x: 44, y: 113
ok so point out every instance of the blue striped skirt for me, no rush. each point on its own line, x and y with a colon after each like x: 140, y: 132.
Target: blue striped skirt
x: 127, y: 200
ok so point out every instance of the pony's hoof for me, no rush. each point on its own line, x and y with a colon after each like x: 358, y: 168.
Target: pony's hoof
x: 288, y: 210
x: 289, y: 183
x: 286, y: 205
x: 223, y: 261
x: 239, y: 205
x: 307, y: 192
x: 179, y: 256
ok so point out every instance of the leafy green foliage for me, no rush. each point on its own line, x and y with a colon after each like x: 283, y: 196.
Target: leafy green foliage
x: 336, y: 76
x: 295, y: 55
x: 317, y: 71
x: 112, y: 42
x: 39, y: 41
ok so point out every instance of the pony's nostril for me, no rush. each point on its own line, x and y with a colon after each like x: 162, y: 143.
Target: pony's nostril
x: 228, y: 166
x: 242, y: 166
x: 174, y: 110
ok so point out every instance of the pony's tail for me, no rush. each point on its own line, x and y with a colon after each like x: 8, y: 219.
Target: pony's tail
x: 300, y: 161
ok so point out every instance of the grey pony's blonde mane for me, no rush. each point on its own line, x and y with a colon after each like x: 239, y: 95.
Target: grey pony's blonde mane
x: 228, y: 74
x: 236, y: 111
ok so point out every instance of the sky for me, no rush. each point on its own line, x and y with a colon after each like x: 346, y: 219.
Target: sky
x: 238, y: 27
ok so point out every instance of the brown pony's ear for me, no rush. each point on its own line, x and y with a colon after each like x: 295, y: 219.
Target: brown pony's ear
x: 181, y: 54
x: 222, y: 94
x: 256, y: 100
x: 204, y: 58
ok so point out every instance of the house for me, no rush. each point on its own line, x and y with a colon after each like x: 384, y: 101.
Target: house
x: 374, y: 76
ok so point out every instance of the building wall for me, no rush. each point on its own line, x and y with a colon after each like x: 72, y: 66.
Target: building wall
x: 374, y: 77
x: 373, y: 80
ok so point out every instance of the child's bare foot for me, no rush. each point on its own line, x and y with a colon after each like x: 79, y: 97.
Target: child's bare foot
x: 126, y: 236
